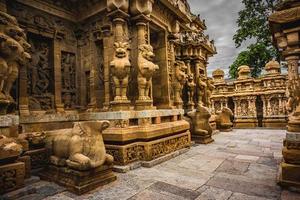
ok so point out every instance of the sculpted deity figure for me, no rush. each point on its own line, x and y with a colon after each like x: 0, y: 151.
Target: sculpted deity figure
x: 210, y: 89
x: 13, y: 47
x: 190, y: 88
x: 180, y: 80
x: 201, y: 89
x: 146, y: 69
x: 120, y: 70
x: 81, y: 147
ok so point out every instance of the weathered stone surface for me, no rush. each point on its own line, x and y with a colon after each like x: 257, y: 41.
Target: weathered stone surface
x: 215, y: 194
x: 233, y: 167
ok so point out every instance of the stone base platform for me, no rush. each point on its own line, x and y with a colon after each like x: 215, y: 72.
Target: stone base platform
x: 148, y: 164
x: 289, y: 175
x: 245, y: 123
x: 11, y: 176
x: 148, y: 150
x: 79, y: 182
x: 275, y: 123
x: 202, y: 139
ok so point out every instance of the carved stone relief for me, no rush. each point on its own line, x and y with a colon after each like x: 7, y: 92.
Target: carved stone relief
x: 40, y: 75
x: 68, y: 75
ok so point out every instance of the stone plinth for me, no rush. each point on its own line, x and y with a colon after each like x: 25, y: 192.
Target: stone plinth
x: 120, y: 105
x: 245, y: 123
x: 12, y: 176
x: 79, y: 182
x: 280, y: 122
x: 290, y: 166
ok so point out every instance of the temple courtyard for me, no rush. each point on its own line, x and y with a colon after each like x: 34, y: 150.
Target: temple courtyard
x: 238, y: 165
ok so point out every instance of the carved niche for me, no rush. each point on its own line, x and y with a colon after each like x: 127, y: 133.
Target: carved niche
x: 40, y: 74
x: 68, y: 79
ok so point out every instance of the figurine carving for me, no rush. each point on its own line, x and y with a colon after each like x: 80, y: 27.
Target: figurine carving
x: 190, y: 88
x: 13, y: 47
x: 81, y: 147
x: 146, y: 69
x: 120, y: 70
x: 201, y: 89
x: 180, y: 80
x: 210, y: 89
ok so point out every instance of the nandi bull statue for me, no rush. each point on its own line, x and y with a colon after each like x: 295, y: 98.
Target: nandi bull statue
x: 146, y: 69
x: 201, y: 129
x: 224, y: 120
x: 13, y: 54
x: 79, y: 148
x: 120, y: 70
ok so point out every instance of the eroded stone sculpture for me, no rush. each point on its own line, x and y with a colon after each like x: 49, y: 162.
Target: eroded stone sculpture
x: 190, y: 89
x: 13, y: 47
x: 224, y: 119
x: 120, y: 70
x: 201, y: 88
x: 79, y: 155
x: 201, y: 129
x: 146, y: 69
x: 180, y: 80
x: 80, y: 148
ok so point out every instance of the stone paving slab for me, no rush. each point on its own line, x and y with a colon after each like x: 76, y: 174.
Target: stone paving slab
x: 239, y: 165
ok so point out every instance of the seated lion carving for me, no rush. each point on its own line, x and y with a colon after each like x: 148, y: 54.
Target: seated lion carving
x: 81, y: 147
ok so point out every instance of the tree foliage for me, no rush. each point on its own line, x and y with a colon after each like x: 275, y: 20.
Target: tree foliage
x: 253, y: 24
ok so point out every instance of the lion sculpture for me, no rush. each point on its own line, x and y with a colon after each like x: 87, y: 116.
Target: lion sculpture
x: 146, y: 69
x: 81, y: 147
x: 120, y: 70
x: 180, y: 80
x: 13, y: 54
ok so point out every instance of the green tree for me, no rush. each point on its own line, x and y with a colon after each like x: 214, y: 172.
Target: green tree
x: 253, y: 24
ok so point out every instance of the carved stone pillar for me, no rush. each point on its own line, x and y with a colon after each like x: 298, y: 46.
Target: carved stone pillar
x: 120, y: 66
x: 141, y: 10
x: 23, y: 95
x: 292, y: 62
x: 57, y: 76
x: 106, y: 33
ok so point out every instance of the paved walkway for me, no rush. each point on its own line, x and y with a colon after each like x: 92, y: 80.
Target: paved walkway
x: 240, y: 165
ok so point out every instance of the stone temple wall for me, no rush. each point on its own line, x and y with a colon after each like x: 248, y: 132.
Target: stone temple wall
x: 255, y: 102
x: 138, y: 64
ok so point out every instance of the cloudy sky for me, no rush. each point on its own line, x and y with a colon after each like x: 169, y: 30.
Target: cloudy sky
x: 220, y: 17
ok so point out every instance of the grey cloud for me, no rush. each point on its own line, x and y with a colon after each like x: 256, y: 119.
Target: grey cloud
x: 220, y: 17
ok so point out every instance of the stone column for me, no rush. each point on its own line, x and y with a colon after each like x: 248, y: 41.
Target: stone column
x: 106, y: 33
x: 23, y: 94
x: 59, y: 106
x: 120, y: 66
x: 141, y: 10
x: 292, y: 62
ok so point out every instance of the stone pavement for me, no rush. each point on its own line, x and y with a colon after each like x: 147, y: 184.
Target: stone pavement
x: 239, y: 165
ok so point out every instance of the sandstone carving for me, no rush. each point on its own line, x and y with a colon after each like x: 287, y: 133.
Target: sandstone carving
x: 120, y: 70
x: 201, y: 129
x: 201, y: 89
x: 146, y: 69
x: 243, y: 72
x: 180, y: 80
x: 190, y: 89
x: 13, y: 47
x: 224, y: 120
x: 9, y: 147
x: 80, y: 148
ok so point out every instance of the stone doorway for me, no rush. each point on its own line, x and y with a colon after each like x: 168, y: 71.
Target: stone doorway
x: 259, y: 111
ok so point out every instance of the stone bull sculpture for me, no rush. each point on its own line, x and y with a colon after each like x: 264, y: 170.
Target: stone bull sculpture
x: 81, y: 147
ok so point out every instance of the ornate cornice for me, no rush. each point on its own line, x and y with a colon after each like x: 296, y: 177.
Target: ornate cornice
x: 285, y: 16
